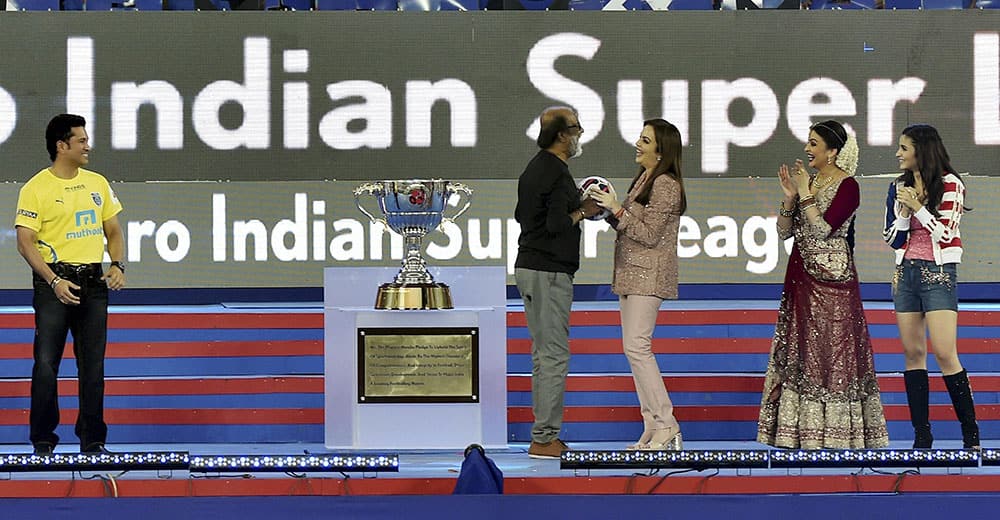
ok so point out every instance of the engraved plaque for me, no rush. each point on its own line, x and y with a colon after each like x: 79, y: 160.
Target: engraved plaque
x: 414, y: 365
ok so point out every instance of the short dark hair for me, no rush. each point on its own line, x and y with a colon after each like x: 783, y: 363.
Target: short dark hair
x: 61, y: 129
x: 549, y: 132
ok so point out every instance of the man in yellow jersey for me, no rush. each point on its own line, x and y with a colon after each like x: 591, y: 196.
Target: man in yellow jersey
x: 64, y: 215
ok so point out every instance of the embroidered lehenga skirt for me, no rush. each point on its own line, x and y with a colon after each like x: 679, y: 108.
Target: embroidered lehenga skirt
x: 820, y: 390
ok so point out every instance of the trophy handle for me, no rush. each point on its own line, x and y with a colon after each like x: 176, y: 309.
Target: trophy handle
x: 368, y: 188
x: 455, y: 187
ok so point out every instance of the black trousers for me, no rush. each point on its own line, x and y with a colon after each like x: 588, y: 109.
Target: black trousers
x: 88, y: 323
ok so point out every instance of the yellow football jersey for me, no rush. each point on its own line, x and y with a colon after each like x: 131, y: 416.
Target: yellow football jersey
x: 68, y: 215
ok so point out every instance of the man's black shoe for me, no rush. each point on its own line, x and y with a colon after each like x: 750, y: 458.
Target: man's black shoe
x: 43, y: 448
x: 96, y: 448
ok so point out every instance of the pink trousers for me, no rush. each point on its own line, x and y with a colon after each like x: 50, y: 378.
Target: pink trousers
x: 638, y: 316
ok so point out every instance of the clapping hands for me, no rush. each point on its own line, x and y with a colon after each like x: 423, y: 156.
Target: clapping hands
x: 795, y: 180
x: 908, y: 197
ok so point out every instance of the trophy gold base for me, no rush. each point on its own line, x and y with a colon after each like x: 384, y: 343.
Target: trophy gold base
x: 397, y: 296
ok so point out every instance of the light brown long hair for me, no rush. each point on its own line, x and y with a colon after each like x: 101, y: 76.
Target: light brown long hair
x: 668, y: 145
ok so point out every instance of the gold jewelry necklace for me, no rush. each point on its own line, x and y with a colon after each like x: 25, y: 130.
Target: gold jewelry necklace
x: 818, y: 186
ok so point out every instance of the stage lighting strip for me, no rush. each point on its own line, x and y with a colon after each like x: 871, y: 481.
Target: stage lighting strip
x: 294, y: 463
x: 874, y: 458
x: 664, y: 459
x: 696, y: 459
x: 95, y: 462
x: 991, y: 457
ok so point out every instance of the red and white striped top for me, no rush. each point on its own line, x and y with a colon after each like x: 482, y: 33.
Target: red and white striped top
x: 944, y: 233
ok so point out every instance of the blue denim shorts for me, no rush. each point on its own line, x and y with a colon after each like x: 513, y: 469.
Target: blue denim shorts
x: 924, y: 286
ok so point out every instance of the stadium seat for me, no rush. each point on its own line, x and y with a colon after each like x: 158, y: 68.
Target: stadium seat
x: 192, y: 5
x: 72, y: 5
x: 118, y: 5
x: 945, y: 4
x: 741, y: 5
x: 690, y: 5
x: 988, y: 4
x: 844, y: 4
x: 903, y: 4
x: 460, y: 5
x: 38, y: 5
x: 536, y: 5
x: 786, y: 4
x: 438, y: 5
x: 336, y: 5
x: 295, y: 5
x: 377, y: 5
x: 587, y: 5
x: 418, y: 5
x: 360, y: 5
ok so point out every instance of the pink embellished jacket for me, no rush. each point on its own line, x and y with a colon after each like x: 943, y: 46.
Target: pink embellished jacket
x: 646, y: 246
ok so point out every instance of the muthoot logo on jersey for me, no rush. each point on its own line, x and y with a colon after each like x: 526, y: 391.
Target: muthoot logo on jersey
x: 86, y: 218
x: 84, y: 233
x: 87, y: 224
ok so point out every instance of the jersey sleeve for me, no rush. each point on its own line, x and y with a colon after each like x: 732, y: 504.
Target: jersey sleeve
x: 28, y: 209
x: 113, y: 205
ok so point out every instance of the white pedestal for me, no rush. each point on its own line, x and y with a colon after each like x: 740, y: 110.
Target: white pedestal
x: 479, y: 295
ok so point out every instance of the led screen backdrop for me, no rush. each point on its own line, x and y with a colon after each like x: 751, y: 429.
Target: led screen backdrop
x: 346, y: 95
x: 281, y: 234
x: 271, y: 119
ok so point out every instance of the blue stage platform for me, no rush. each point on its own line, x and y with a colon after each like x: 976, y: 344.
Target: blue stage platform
x: 253, y: 372
x: 247, y: 378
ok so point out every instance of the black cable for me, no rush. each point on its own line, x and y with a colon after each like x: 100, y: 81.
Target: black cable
x: 704, y: 480
x: 664, y: 478
x: 220, y: 475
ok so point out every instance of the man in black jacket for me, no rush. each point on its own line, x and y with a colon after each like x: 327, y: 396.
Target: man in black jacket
x: 549, y: 211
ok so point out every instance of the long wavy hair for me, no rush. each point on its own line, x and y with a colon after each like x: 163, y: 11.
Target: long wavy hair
x: 933, y: 161
x: 668, y: 145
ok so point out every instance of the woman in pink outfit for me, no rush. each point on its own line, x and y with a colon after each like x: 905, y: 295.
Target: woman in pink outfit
x: 922, y: 211
x: 645, y: 269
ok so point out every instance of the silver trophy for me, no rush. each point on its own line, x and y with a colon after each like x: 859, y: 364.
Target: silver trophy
x: 413, y: 208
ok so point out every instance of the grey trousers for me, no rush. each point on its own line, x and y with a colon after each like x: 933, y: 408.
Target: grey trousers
x: 547, y: 299
x: 638, y: 322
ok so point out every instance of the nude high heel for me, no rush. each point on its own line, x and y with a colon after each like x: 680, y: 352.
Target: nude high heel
x: 663, y: 441
x: 647, y: 435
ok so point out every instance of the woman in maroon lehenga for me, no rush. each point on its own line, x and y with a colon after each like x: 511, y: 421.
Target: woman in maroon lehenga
x: 820, y: 390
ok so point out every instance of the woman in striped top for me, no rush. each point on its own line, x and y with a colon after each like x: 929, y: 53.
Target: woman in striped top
x: 922, y: 212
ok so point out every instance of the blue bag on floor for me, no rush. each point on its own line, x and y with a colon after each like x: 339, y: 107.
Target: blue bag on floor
x: 479, y: 474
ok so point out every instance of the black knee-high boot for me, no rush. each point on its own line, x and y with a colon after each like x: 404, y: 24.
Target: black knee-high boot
x: 965, y: 409
x: 917, y: 396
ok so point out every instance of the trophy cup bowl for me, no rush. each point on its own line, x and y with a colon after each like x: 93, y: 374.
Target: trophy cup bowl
x: 413, y: 208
